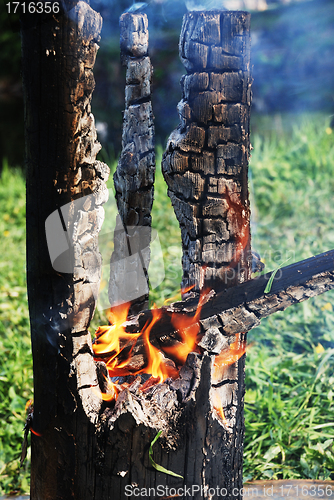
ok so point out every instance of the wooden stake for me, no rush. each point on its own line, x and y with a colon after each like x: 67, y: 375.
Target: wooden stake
x: 134, y: 176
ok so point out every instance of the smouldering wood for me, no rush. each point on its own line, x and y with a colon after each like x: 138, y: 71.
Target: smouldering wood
x: 239, y: 309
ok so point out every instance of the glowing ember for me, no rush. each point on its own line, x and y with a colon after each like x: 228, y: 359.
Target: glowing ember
x: 115, y: 346
x: 224, y: 359
x: 113, y: 343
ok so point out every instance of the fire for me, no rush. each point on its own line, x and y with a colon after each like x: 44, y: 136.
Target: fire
x: 111, y: 340
x: 188, y: 327
x: 224, y: 359
x: 218, y: 407
x: 112, y: 390
x: 115, y: 346
x: 156, y: 365
x: 113, y: 343
x: 227, y: 358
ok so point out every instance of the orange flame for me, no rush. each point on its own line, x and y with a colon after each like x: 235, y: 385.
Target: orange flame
x: 111, y: 341
x: 188, y: 328
x: 227, y: 358
x: 113, y: 390
x: 217, y: 404
x: 224, y: 359
x: 156, y: 365
x: 108, y: 337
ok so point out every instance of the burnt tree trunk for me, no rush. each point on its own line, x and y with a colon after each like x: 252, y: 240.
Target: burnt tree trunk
x: 134, y: 176
x: 65, y: 192
x: 206, y: 160
x: 206, y: 169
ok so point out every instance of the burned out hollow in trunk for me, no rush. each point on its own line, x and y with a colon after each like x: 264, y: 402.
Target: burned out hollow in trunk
x: 134, y: 176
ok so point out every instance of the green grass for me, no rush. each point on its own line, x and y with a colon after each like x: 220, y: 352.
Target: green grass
x: 289, y: 408
x: 15, y: 360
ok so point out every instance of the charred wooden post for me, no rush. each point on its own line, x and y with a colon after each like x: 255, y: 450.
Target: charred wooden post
x: 66, y: 187
x: 206, y: 160
x: 134, y: 176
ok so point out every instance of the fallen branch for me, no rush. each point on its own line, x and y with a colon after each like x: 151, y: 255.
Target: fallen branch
x: 292, y: 284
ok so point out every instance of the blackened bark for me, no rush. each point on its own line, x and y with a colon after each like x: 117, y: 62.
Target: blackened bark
x: 134, y: 176
x: 65, y: 192
x: 206, y: 160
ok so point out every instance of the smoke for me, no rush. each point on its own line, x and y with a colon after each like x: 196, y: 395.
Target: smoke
x: 205, y: 5
x: 137, y: 7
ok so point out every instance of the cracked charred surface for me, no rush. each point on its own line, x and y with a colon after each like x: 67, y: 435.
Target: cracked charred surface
x: 134, y: 176
x: 206, y: 160
x: 66, y: 182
